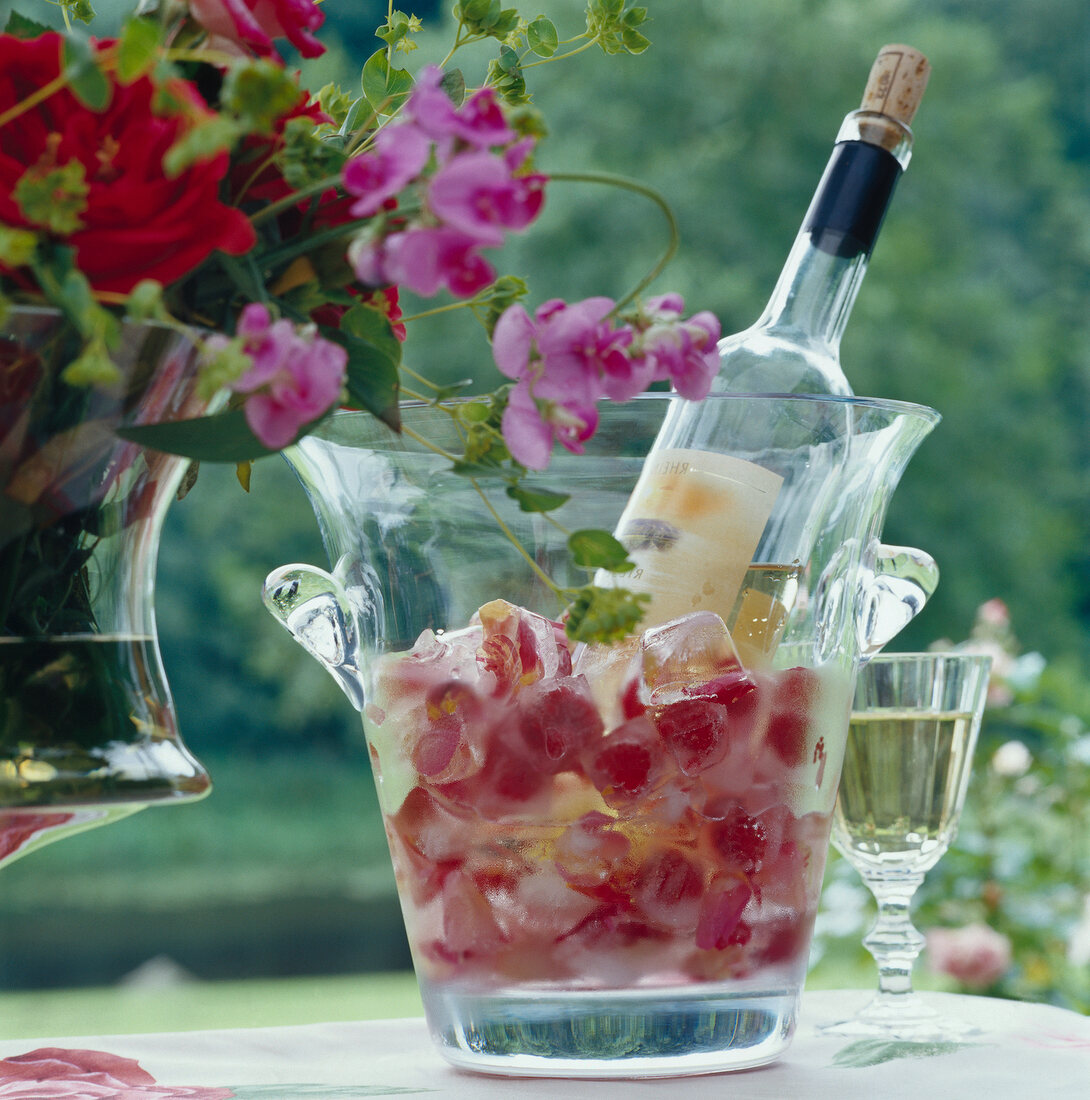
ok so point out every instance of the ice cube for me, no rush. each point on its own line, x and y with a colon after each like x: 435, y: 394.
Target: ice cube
x: 557, y: 720
x: 520, y: 647
x: 613, y: 673
x: 684, y: 653
x: 668, y: 888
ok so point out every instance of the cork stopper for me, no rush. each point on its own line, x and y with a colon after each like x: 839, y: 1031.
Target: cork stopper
x: 894, y: 90
x: 896, y: 83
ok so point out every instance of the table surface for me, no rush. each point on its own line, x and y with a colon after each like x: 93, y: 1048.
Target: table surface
x: 1023, y: 1051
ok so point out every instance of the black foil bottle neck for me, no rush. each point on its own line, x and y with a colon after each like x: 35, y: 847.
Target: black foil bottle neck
x: 851, y: 200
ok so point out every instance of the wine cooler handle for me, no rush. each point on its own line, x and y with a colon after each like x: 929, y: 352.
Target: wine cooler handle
x: 895, y: 589
x: 325, y: 616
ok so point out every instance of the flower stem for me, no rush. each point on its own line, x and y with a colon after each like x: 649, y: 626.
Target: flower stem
x: 513, y: 539
x: 622, y: 182
x: 32, y: 100
x: 561, y: 56
x: 450, y: 306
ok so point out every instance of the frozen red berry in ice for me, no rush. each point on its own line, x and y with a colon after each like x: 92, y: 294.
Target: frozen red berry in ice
x: 469, y: 928
x: 588, y: 851
x: 557, y: 720
x: 508, y: 783
x: 791, y: 717
x: 739, y: 841
x: 720, y: 922
x: 627, y: 762
x: 734, y: 689
x: 668, y: 888
x: 695, y: 731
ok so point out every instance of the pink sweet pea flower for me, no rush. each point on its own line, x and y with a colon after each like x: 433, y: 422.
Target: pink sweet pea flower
x: 398, y: 157
x: 253, y: 24
x: 478, y: 122
x: 477, y: 193
x: 296, y: 376
x: 425, y: 259
x: 429, y: 106
x: 530, y: 425
x: 578, y: 347
x: 683, y: 352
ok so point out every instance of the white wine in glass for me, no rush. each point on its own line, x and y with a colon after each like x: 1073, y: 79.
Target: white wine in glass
x: 913, y: 729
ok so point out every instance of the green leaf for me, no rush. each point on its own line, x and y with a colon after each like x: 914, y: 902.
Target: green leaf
x: 473, y: 412
x: 385, y: 88
x: 478, y: 470
x: 204, y: 140
x: 373, y: 357
x: 454, y: 84
x: 225, y: 437
x: 86, y: 81
x: 873, y: 1052
x: 542, y: 38
x: 16, y: 246
x: 593, y: 549
x: 604, y: 614
x: 18, y: 26
x: 536, y: 500
x: 138, y: 49
x: 480, y: 12
x: 359, y: 114
x: 53, y: 197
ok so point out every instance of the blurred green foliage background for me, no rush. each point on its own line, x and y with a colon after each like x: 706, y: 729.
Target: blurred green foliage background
x: 977, y: 302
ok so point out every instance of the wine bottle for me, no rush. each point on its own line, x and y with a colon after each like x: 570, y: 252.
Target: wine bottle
x: 696, y: 518
x: 794, y: 346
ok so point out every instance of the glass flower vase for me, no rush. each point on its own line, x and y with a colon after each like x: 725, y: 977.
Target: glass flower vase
x: 88, y: 731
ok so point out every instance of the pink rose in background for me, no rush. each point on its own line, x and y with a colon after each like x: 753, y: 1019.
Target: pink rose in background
x: 54, y: 1074
x: 253, y: 24
x: 976, y: 955
x: 296, y: 375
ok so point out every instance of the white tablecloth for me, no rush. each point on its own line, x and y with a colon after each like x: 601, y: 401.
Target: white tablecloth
x: 1025, y: 1052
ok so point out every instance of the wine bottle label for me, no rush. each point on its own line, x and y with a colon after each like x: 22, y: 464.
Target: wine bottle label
x: 692, y: 527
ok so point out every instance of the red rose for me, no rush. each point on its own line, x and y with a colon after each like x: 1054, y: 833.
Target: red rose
x: 137, y: 224
x: 53, y: 1074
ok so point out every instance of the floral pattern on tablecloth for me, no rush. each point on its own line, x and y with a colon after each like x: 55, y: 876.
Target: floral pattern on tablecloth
x: 51, y: 1073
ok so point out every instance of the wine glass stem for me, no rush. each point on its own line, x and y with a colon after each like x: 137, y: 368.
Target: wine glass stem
x: 894, y: 941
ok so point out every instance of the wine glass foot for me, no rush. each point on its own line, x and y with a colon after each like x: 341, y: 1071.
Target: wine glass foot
x: 904, y: 1018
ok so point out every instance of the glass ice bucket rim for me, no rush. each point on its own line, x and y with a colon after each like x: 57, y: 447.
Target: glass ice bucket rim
x: 892, y: 406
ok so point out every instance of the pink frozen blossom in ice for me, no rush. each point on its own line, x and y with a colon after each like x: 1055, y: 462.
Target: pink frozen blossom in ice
x: 399, y: 155
x: 477, y: 193
x: 975, y: 955
x: 296, y: 375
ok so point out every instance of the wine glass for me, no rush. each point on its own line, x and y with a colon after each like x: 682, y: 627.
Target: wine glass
x: 914, y: 725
